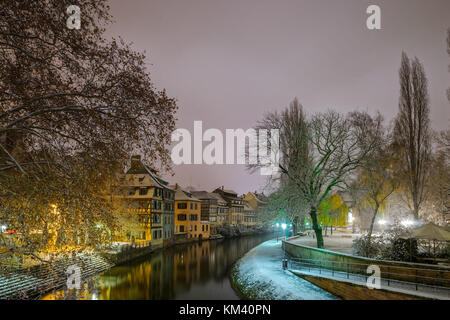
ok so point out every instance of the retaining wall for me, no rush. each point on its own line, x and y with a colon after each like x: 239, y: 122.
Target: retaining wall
x: 404, y: 271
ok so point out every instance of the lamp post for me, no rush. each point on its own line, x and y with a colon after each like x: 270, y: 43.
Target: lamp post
x: 283, y: 226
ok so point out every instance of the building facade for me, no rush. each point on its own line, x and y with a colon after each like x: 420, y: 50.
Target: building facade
x: 188, y: 222
x: 235, y: 206
x: 208, y: 208
x: 249, y: 216
x: 147, y: 197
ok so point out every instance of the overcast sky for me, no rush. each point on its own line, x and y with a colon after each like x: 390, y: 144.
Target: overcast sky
x: 228, y: 62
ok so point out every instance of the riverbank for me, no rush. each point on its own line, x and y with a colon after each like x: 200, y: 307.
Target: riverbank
x: 259, y: 275
x: 192, y: 271
x: 34, y: 282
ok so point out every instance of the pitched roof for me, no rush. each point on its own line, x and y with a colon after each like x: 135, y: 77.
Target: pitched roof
x: 226, y: 190
x: 203, y: 195
x: 259, y: 197
x: 138, y: 168
x: 182, y: 195
x: 218, y: 197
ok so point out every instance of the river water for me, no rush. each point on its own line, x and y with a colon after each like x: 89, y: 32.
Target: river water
x: 186, y: 272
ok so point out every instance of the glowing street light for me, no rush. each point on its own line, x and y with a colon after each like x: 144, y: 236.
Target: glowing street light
x: 283, y: 226
x: 407, y: 223
x: 350, y: 217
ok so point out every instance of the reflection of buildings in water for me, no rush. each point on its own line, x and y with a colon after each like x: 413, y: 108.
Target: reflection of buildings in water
x: 166, y: 274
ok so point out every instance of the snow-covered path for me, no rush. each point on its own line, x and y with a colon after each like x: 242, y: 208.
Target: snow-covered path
x: 259, y: 275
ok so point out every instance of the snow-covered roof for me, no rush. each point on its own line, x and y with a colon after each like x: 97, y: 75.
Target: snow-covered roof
x: 141, y: 175
x: 183, y: 195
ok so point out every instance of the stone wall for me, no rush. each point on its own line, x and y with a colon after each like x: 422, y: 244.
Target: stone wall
x: 350, y: 291
x: 404, y: 271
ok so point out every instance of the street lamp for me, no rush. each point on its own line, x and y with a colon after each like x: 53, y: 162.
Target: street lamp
x: 284, y: 226
x: 407, y: 223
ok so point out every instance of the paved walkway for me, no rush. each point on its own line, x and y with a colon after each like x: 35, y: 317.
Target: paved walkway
x: 259, y: 275
x: 340, y: 241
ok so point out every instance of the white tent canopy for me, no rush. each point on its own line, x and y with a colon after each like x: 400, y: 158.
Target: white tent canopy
x: 429, y: 231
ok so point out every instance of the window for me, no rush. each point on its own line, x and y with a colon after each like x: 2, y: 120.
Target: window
x: 203, y: 227
x: 193, y: 217
x: 182, y: 205
x: 181, y: 217
x: 191, y: 205
x: 206, y: 227
x: 195, y: 228
x: 196, y: 206
x: 181, y: 228
x: 143, y: 191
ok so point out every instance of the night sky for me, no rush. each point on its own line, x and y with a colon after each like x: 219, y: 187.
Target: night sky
x: 230, y: 61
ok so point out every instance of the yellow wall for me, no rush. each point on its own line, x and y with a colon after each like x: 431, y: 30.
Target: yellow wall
x: 192, y: 227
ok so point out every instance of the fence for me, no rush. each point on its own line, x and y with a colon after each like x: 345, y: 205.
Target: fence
x: 398, y: 277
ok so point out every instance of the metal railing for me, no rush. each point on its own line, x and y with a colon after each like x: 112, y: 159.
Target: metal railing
x: 135, y: 245
x: 395, y: 277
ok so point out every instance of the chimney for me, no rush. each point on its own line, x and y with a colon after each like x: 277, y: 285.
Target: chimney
x: 222, y: 187
x: 136, y: 161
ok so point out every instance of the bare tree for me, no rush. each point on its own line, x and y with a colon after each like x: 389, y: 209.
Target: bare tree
x: 318, y: 155
x: 412, y: 131
x: 376, y: 179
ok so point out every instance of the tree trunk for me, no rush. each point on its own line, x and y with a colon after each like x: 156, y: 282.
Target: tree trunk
x: 295, y: 225
x: 369, y: 234
x: 416, y: 210
x: 316, y: 227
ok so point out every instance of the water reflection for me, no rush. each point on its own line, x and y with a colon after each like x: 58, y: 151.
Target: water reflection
x: 193, y: 271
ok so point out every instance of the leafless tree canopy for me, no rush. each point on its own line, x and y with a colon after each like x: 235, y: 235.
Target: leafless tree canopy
x: 317, y: 155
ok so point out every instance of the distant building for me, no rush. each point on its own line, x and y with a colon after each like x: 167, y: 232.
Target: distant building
x: 188, y: 222
x: 258, y: 202
x: 209, y: 208
x: 249, y: 216
x: 222, y: 210
x: 235, y: 206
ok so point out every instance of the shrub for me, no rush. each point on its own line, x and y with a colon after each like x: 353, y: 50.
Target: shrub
x: 388, y: 246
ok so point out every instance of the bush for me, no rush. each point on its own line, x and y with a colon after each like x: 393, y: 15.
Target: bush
x: 362, y: 247
x: 388, y: 246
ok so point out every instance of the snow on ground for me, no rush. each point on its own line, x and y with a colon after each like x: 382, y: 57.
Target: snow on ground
x: 340, y: 241
x: 259, y: 275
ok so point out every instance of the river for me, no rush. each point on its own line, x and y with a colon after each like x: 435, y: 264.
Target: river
x: 186, y: 272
